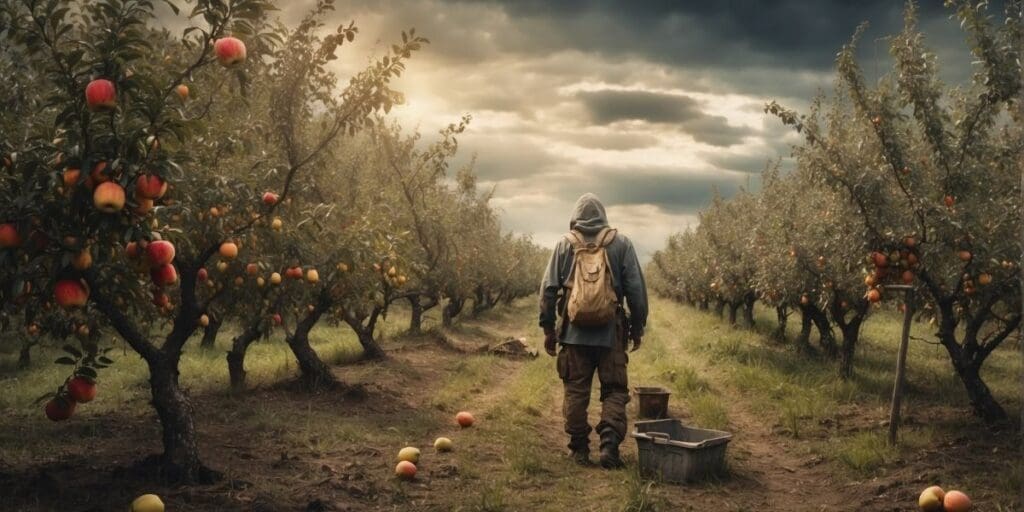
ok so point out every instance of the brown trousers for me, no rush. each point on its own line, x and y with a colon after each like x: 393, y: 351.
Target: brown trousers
x: 576, y: 367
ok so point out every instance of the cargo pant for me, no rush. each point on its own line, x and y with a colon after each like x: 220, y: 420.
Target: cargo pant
x: 576, y: 367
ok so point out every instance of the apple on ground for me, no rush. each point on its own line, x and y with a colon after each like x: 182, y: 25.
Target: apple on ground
x: 409, y: 453
x: 405, y: 470
x: 443, y: 444
x: 465, y: 419
x: 70, y: 293
x: 230, y: 51
x: 100, y: 95
x: 956, y: 501
x: 60, y: 408
x: 147, y: 503
x: 108, y: 197
x: 182, y: 91
x: 82, y: 389
x: 270, y: 198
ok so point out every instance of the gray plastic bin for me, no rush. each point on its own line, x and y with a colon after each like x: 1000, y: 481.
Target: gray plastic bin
x: 672, y: 452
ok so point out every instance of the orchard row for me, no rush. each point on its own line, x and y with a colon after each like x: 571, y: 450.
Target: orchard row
x: 147, y: 196
x: 903, y: 184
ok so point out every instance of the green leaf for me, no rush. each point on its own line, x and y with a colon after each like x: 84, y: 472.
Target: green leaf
x: 72, y: 350
x: 65, y: 360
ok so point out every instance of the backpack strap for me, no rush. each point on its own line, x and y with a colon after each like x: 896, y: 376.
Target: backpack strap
x: 605, y: 237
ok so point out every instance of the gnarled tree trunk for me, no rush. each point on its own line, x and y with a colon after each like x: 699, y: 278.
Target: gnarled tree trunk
x: 236, y: 356
x: 210, y: 333
x: 180, y: 460
x: 451, y: 310
x: 748, y: 310
x: 719, y: 308
x: 364, y: 325
x: 850, y: 330
x: 782, y: 317
x: 734, y: 308
x: 315, y: 375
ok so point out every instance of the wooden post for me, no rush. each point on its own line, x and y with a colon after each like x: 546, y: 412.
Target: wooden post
x: 901, y: 362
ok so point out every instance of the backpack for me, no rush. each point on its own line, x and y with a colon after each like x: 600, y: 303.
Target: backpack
x: 591, y: 297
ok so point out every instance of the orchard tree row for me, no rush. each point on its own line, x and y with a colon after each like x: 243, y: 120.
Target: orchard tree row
x: 157, y: 186
x: 904, y: 182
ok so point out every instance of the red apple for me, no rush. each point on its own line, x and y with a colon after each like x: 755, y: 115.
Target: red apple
x: 100, y: 95
x: 405, y: 470
x: 465, y: 419
x: 230, y: 51
x: 164, y: 275
x: 150, y: 186
x: 81, y: 389
x: 182, y: 91
x: 252, y: 269
x: 160, y: 252
x: 70, y: 293
x: 70, y: 177
x: 59, y: 408
x: 99, y: 174
x: 269, y: 198
x: 956, y: 501
x: 202, y: 274
x: 228, y: 250
x: 9, y: 236
x: 108, y: 197
x: 160, y: 299
x: 82, y: 260
x: 143, y: 206
x: 277, y: 319
x: 131, y: 250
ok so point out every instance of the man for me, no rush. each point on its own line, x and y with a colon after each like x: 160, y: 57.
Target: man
x: 587, y: 348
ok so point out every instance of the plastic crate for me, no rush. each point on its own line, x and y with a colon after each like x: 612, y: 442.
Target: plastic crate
x: 672, y: 452
x: 652, y: 402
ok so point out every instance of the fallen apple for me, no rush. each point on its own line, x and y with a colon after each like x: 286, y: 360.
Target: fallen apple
x: 148, y: 503
x: 956, y: 501
x: 465, y: 419
x: 409, y: 453
x: 405, y: 470
x: 443, y: 444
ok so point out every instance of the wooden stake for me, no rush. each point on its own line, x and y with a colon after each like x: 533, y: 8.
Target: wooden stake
x: 901, y: 366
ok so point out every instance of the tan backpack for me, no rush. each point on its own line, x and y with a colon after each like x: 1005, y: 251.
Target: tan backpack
x: 592, y: 300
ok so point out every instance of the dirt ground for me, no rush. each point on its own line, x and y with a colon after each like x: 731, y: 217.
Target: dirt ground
x: 282, y: 450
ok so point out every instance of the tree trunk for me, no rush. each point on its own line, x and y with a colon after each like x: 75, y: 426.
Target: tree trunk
x: 851, y: 332
x: 451, y: 310
x: 720, y: 308
x: 25, y: 356
x: 371, y: 349
x: 803, y: 340
x: 210, y: 333
x: 733, y: 309
x: 782, y: 316
x: 748, y: 310
x: 180, y: 460
x: 315, y: 375
x: 416, y: 317
x: 236, y: 356
x: 825, y: 337
x: 984, y: 404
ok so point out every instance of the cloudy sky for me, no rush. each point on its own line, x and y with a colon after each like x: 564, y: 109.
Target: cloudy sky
x: 649, y: 104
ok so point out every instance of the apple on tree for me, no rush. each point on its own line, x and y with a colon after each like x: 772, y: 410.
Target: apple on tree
x: 100, y: 95
x: 230, y: 51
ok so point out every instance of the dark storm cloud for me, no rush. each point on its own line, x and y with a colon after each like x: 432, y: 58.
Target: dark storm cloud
x: 673, y: 192
x: 610, y: 106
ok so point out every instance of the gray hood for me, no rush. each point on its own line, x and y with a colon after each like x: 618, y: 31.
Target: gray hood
x: 588, y: 216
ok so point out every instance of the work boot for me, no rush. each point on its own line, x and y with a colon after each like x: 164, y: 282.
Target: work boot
x: 581, y: 457
x: 610, y: 458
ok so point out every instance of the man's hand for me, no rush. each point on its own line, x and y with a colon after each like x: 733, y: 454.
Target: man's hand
x: 636, y: 342
x: 550, y: 342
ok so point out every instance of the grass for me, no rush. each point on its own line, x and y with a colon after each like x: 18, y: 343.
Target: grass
x: 720, y: 378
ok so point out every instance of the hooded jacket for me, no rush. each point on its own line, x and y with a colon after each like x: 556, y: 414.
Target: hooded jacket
x: 589, y: 218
